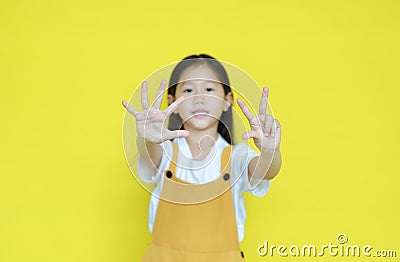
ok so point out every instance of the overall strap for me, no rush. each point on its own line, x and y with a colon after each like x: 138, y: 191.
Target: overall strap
x: 225, y: 157
x: 172, y: 165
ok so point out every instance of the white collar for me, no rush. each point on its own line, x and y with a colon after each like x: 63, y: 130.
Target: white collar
x: 184, y: 148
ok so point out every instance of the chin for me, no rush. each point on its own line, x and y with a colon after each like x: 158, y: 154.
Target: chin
x: 200, y: 125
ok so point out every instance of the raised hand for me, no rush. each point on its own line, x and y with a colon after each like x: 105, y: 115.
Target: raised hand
x: 151, y: 121
x: 265, y: 130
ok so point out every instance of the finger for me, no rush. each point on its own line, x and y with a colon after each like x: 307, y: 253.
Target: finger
x: 274, y: 128
x: 264, y: 101
x: 160, y: 95
x: 269, y: 121
x: 249, y: 115
x: 145, y: 101
x: 176, y: 133
x: 277, y: 130
x: 250, y: 134
x: 278, y: 137
x: 278, y: 124
x: 129, y: 108
x: 168, y: 111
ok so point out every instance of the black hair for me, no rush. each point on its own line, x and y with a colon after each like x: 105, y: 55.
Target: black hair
x: 225, y: 125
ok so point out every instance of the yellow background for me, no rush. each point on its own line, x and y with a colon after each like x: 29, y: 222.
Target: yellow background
x: 66, y: 192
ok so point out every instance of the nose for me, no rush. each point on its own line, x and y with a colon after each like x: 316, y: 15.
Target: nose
x: 198, y: 98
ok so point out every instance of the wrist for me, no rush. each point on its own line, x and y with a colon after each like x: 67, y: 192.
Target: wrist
x: 269, y: 151
x: 147, y: 141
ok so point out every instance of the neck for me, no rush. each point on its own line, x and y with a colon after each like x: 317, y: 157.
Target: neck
x: 201, y: 141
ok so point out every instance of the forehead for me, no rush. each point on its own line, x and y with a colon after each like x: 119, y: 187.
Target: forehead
x: 199, y: 71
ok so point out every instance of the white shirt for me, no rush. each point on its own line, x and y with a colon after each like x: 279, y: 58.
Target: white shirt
x: 203, y: 171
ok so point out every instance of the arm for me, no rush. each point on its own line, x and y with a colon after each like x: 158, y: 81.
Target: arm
x: 266, y: 166
x: 266, y: 134
x: 151, y: 153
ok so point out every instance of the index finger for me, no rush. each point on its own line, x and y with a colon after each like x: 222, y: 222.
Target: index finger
x: 160, y: 95
x: 171, y: 108
x: 248, y: 114
x: 264, y: 101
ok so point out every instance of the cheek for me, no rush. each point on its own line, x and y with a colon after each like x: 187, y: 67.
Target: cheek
x: 184, y: 108
x: 218, y: 102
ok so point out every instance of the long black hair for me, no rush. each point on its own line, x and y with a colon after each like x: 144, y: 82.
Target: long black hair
x: 225, y: 125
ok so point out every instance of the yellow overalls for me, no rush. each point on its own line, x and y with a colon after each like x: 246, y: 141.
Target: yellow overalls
x: 205, y: 231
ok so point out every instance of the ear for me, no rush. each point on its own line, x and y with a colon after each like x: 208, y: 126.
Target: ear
x: 171, y: 99
x: 228, y: 101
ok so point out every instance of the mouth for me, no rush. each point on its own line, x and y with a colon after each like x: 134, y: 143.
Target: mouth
x: 200, y: 113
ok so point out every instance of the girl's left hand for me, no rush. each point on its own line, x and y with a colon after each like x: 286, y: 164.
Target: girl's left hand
x: 265, y: 130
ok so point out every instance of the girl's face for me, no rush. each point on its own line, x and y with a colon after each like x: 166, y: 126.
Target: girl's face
x: 205, y: 98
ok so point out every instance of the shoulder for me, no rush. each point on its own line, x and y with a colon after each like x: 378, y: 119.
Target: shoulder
x: 242, y: 154
x: 167, y: 152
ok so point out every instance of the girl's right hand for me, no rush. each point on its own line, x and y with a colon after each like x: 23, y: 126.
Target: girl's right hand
x: 151, y: 122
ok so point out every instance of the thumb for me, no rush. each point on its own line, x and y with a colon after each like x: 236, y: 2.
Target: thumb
x: 176, y: 133
x: 250, y: 134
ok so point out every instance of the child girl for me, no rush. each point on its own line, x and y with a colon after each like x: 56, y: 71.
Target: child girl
x: 197, y: 210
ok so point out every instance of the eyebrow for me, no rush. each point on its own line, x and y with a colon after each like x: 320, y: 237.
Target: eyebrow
x: 188, y: 82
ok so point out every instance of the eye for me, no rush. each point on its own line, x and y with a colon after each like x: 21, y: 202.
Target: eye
x: 209, y: 89
x: 187, y: 90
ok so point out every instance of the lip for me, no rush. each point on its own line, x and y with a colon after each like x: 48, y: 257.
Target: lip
x: 200, y: 113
